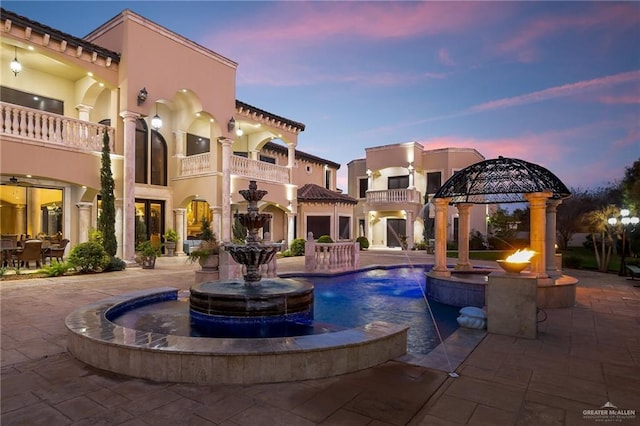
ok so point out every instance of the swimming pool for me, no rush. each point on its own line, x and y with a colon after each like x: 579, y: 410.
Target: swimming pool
x: 344, y: 301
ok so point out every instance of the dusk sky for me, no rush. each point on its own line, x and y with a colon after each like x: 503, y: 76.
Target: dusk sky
x: 553, y: 83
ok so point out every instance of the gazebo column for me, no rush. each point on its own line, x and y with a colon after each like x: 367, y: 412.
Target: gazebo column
x: 440, y: 262
x: 552, y: 209
x: 464, y: 228
x: 537, y: 206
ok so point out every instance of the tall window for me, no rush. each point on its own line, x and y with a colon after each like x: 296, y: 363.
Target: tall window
x: 363, y: 186
x: 327, y: 178
x: 345, y: 225
x: 151, y: 154
x: 434, y: 181
x: 319, y: 225
x: 398, y: 182
x: 197, y: 144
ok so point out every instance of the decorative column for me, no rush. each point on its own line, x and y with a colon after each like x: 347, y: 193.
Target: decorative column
x: 180, y: 226
x: 411, y: 176
x: 128, y: 187
x: 553, y: 268
x: 291, y: 159
x: 464, y: 228
x: 179, y: 143
x: 409, y: 230
x: 119, y: 226
x: 215, y: 223
x: 440, y: 262
x: 225, y: 235
x: 19, y: 219
x: 537, y: 206
x: 84, y: 221
x: 291, y: 217
x: 34, y: 214
x: 83, y: 112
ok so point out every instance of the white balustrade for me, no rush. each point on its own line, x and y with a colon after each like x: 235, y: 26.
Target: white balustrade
x: 394, y: 196
x: 195, y: 164
x: 40, y: 126
x: 261, y: 170
x: 331, y: 257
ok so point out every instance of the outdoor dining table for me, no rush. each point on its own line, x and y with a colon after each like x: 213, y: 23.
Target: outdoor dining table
x: 7, y: 251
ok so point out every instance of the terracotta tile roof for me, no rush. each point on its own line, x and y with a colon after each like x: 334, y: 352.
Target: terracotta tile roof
x: 294, y: 124
x: 300, y: 154
x: 312, y: 192
x: 72, y: 41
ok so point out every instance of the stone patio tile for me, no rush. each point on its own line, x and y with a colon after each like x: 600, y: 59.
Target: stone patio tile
x: 149, y: 402
x: 16, y: 401
x: 347, y: 418
x: 12, y: 356
x: 496, y: 395
x: 484, y: 415
x: 452, y: 409
x: 173, y: 413
x: 107, y: 397
x: 283, y: 395
x: 325, y: 403
x: 225, y: 408
x: 134, y: 389
x: 586, y: 369
x: 262, y: 415
x: 20, y: 383
x: 378, y: 405
x: 538, y: 414
x: 80, y: 408
x: 573, y: 388
x: 37, y: 414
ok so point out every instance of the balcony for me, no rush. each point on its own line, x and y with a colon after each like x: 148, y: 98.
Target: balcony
x: 408, y: 199
x: 194, y: 165
x: 51, y: 130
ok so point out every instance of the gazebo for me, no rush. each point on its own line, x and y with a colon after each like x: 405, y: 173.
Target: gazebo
x: 500, y: 180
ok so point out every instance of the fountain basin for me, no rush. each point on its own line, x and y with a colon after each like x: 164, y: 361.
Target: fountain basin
x: 278, y: 300
x: 95, y: 340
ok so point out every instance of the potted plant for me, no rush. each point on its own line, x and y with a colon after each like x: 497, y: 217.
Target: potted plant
x: 170, y: 241
x: 147, y: 254
x: 207, y: 253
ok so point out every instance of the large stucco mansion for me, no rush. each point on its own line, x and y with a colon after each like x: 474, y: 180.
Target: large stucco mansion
x: 181, y: 144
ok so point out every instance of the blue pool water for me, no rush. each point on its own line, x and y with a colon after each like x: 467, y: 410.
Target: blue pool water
x: 394, y: 295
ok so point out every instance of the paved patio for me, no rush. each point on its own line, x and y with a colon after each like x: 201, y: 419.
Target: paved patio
x: 583, y: 358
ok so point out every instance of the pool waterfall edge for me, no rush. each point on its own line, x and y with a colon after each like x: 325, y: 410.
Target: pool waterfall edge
x: 95, y: 340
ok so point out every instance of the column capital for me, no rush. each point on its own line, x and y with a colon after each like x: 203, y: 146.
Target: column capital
x: 83, y: 205
x: 180, y: 210
x: 83, y: 107
x: 129, y: 115
x: 225, y: 141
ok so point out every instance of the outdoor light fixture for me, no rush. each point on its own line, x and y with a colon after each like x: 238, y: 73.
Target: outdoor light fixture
x: 142, y: 95
x: 239, y: 132
x: 15, y: 66
x: 625, y: 221
x: 231, y: 124
x: 156, y: 121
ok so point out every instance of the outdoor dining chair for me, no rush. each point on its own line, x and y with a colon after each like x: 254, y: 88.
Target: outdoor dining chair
x: 56, y: 252
x: 32, y: 250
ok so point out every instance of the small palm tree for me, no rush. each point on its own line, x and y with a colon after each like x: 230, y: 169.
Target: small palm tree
x: 597, y: 223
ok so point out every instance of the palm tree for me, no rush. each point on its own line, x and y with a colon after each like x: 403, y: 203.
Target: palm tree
x: 597, y: 223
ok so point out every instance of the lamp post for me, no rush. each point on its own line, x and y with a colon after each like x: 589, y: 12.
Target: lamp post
x: 625, y: 221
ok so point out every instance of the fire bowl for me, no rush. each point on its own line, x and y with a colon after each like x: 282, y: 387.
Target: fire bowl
x: 513, y: 267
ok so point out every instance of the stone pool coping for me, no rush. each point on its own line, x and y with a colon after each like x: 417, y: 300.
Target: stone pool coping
x: 95, y: 340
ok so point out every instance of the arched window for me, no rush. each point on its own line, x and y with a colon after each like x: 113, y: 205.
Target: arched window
x: 158, y: 159
x: 141, y: 151
x: 151, y: 154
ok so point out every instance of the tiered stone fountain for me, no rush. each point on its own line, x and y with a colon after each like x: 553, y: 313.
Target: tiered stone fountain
x: 253, y: 300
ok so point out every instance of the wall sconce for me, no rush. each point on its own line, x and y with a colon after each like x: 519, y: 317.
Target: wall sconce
x: 410, y: 168
x: 142, y: 95
x: 15, y: 65
x: 239, y: 132
x: 156, y: 121
x: 231, y: 125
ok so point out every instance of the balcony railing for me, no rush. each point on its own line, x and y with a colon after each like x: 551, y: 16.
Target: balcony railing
x: 195, y: 164
x: 261, y: 170
x: 40, y: 126
x: 394, y: 196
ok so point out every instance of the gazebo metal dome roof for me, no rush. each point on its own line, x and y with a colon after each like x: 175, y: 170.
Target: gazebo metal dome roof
x: 500, y: 180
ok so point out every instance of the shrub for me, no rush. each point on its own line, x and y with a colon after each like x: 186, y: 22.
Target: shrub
x: 573, y: 262
x: 325, y: 239
x: 115, y: 264
x: 286, y: 253
x: 88, y: 256
x: 476, y: 241
x: 171, y: 235
x: 56, y: 269
x: 297, y: 247
x: 364, y: 243
x: 420, y: 246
